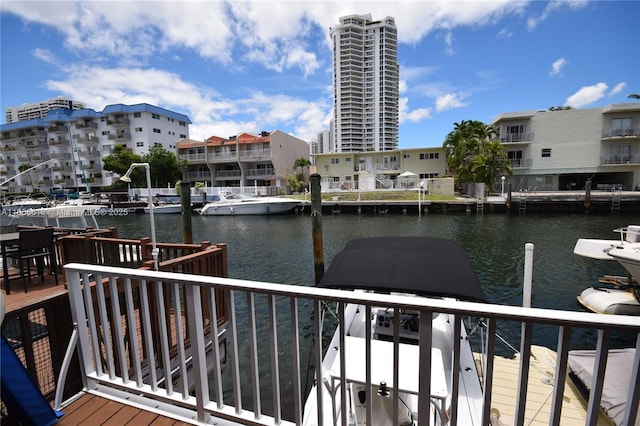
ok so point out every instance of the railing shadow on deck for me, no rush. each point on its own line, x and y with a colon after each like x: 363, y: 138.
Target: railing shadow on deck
x: 259, y: 379
x: 40, y: 332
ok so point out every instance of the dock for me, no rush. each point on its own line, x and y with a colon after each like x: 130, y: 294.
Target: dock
x: 518, y: 202
x: 539, y: 391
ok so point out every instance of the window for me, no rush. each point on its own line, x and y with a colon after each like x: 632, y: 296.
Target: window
x: 139, y: 144
x: 406, y: 156
x: 138, y: 129
x: 515, y: 157
x: 335, y: 161
x: 155, y: 116
x: 182, y: 123
x: 137, y: 115
x: 620, y: 126
x: 546, y: 152
x: 348, y: 159
x: 157, y: 130
x: 183, y: 136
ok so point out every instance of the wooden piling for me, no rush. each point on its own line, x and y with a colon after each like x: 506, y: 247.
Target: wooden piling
x: 316, y: 226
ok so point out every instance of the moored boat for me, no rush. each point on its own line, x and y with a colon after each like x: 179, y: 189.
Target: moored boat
x: 376, y: 394
x: 621, y: 295
x: 228, y: 204
x: 168, y: 208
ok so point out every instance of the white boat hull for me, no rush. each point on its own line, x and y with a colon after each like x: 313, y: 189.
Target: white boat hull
x: 258, y: 206
x: 609, y: 301
x: 165, y: 209
x: 629, y: 258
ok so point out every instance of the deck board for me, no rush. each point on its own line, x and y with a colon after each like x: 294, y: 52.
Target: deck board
x: 539, y: 392
x: 91, y: 410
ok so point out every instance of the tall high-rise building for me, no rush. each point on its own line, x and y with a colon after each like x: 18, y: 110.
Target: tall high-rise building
x: 365, y: 84
x: 40, y: 109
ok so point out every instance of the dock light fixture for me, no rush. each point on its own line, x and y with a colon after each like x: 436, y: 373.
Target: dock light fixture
x: 127, y: 178
x: 502, y: 185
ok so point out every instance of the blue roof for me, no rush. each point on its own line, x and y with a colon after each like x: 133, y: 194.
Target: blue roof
x: 66, y: 114
x: 36, y: 122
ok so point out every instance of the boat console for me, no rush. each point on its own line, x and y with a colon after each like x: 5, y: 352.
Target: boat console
x: 383, y: 325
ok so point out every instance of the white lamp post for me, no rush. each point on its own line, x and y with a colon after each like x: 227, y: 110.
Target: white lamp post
x: 502, y: 181
x: 127, y: 178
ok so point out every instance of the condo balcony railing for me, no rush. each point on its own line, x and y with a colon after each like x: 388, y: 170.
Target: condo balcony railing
x: 519, y: 163
x: 199, y: 157
x: 255, y: 153
x: 86, y: 125
x: 199, y: 176
x: 228, y: 173
x: 58, y: 129
x: 259, y: 172
x: 517, y: 137
x: 621, y: 159
x: 615, y: 133
x: 118, y: 122
x: 272, y: 329
x: 221, y: 156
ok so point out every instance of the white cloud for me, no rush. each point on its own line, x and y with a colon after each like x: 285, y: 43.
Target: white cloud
x: 587, y: 95
x: 618, y: 88
x: 412, y: 116
x: 552, y: 6
x: 557, y: 66
x: 449, y: 101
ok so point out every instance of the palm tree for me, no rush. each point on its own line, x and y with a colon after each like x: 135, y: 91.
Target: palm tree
x: 475, y: 154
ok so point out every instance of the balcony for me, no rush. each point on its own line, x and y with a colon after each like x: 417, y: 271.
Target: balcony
x: 517, y: 138
x: 228, y: 174
x: 118, y: 122
x: 60, y: 128
x: 621, y: 133
x: 120, y: 136
x: 114, y: 361
x: 199, y: 176
x: 224, y: 156
x: 58, y: 142
x: 259, y: 173
x: 86, y: 139
x: 194, y: 158
x: 521, y: 163
x: 620, y: 160
x: 86, y: 125
x: 255, y: 154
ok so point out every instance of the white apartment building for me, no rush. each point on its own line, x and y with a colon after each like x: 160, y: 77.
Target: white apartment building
x: 562, y: 150
x: 75, y: 141
x: 40, y: 109
x: 244, y: 160
x: 549, y: 151
x: 368, y: 171
x: 365, y: 84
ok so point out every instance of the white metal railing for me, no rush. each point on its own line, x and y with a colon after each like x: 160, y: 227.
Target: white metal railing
x: 190, y: 382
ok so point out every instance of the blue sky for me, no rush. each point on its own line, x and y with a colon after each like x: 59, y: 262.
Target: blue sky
x: 248, y: 66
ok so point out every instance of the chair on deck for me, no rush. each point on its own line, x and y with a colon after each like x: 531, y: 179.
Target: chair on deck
x: 35, y: 245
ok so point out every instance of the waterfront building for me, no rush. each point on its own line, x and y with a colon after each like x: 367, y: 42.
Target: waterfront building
x: 76, y: 141
x: 368, y: 171
x: 244, y: 160
x: 365, y: 84
x: 562, y: 150
x: 40, y: 109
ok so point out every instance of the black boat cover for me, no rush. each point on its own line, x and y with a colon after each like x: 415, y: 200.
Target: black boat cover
x: 425, y: 266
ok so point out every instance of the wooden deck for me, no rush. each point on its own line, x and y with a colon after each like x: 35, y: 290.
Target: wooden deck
x: 38, y: 291
x: 538, y: 408
x: 90, y: 410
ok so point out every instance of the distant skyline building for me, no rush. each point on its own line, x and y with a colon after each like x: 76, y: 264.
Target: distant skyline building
x: 365, y: 84
x: 40, y: 109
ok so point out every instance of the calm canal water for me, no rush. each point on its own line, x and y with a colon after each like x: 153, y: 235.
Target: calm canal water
x: 279, y: 249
